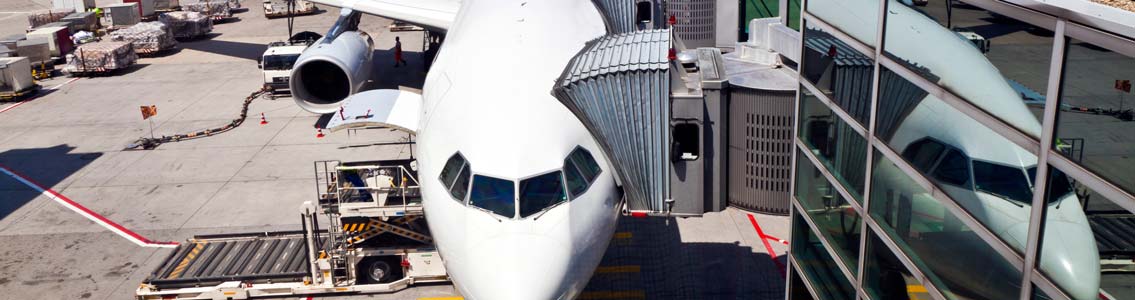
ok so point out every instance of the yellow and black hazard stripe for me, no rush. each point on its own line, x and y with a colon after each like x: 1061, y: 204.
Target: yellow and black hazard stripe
x: 181, y: 266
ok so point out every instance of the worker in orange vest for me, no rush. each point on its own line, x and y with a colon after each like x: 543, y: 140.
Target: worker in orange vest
x: 398, y: 53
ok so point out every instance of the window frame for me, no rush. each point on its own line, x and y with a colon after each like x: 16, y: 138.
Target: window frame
x: 563, y: 184
x: 598, y: 167
x: 449, y: 186
x: 515, y: 195
x: 586, y: 183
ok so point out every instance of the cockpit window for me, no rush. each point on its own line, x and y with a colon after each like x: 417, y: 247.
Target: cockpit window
x: 1059, y: 185
x: 923, y: 154
x: 1002, y: 181
x: 461, y: 185
x: 494, y: 194
x: 576, y: 184
x: 540, y: 192
x: 587, y: 166
x: 954, y: 169
x: 449, y: 173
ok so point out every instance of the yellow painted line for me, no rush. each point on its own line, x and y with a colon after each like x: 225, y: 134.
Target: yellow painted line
x: 915, y: 289
x: 622, y: 235
x: 633, y: 294
x: 618, y: 269
x: 442, y: 298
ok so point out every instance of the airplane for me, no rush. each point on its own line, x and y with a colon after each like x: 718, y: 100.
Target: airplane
x: 989, y: 176
x: 519, y: 197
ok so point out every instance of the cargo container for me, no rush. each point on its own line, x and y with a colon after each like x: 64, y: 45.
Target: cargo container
x: 15, y: 77
x: 166, y: 5
x: 121, y: 15
x: 77, y: 5
x: 145, y: 7
x: 37, y: 50
x: 58, y: 39
x: 61, y: 23
x: 37, y: 19
x: 9, y: 42
x: 87, y: 21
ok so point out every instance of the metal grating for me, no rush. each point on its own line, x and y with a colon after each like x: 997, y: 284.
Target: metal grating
x: 760, y: 149
x: 618, y: 86
x: 696, y: 24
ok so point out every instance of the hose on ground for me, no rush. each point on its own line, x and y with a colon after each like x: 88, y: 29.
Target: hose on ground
x: 151, y: 143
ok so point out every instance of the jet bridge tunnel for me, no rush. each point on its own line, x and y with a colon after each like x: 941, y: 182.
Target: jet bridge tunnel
x: 662, y: 117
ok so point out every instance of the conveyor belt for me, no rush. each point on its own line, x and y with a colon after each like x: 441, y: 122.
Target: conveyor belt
x: 209, y: 260
x: 1115, y: 234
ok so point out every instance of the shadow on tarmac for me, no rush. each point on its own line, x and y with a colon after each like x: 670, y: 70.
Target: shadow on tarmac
x: 44, y: 166
x: 648, y: 260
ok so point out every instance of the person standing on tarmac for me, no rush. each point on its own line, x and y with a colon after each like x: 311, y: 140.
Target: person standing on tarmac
x: 398, y: 53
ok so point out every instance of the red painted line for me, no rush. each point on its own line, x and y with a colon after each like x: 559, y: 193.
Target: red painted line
x: 764, y: 239
x: 36, y: 96
x: 776, y: 239
x: 83, y: 210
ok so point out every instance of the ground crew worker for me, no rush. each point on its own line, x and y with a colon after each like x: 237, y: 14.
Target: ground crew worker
x: 398, y: 53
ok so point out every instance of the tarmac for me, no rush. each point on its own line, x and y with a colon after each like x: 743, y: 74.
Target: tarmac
x: 71, y: 139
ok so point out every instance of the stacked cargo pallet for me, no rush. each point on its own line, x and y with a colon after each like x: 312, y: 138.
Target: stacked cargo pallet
x: 187, y: 24
x: 38, y: 19
x: 100, y: 58
x: 147, y: 38
x: 216, y: 9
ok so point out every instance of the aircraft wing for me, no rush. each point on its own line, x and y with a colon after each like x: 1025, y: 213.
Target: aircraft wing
x: 435, y: 15
x: 392, y: 108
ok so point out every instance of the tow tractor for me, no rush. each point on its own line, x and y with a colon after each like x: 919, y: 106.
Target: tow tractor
x: 376, y: 241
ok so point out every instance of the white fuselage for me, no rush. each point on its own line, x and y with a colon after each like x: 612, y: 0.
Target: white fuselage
x: 488, y: 96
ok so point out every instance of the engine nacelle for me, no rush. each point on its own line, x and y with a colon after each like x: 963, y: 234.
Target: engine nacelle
x: 327, y: 73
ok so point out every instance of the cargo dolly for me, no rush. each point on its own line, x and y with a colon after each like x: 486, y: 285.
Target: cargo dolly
x: 376, y: 242
x: 17, y: 95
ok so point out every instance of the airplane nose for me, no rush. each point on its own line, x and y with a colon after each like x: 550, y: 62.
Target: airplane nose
x: 518, y: 267
x: 1070, y: 257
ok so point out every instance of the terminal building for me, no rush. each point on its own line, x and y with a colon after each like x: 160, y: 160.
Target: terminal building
x: 972, y: 149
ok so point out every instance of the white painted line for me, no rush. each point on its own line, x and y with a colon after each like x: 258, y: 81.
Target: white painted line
x: 37, y: 96
x: 87, y: 213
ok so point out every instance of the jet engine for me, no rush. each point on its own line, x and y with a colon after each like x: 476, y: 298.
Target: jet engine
x: 332, y: 69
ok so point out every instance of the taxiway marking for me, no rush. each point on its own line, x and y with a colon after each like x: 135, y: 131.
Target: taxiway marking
x: 87, y: 213
x: 56, y: 87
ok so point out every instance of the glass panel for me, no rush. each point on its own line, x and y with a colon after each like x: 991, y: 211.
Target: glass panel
x: 839, y: 71
x: 839, y: 148
x: 575, y: 182
x: 1093, y: 125
x: 796, y: 288
x: 887, y: 277
x: 461, y: 186
x: 279, y: 62
x: 837, y: 220
x: 997, y: 63
x: 857, y: 18
x: 495, y: 195
x: 587, y: 165
x: 948, y: 147
x: 1089, y: 242
x: 449, y: 171
x: 540, y: 192
x: 955, y: 258
x: 819, y: 267
x: 1039, y: 295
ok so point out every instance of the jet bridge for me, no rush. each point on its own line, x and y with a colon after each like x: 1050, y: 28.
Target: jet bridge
x: 660, y: 125
x: 688, y: 131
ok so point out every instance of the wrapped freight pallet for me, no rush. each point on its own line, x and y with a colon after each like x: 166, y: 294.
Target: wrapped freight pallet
x: 37, y: 19
x: 187, y: 24
x: 148, y: 37
x: 99, y: 58
x: 216, y: 9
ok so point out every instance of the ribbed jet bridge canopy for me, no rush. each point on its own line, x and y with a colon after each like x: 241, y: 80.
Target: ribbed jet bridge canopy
x: 618, y: 86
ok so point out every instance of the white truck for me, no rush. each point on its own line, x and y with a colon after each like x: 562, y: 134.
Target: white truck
x: 376, y: 241
x: 276, y: 64
x: 279, y: 8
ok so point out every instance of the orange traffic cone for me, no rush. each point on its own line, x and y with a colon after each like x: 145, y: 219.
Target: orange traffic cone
x: 263, y: 121
x: 319, y: 135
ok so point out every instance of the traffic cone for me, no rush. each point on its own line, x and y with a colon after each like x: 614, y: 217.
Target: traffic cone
x: 319, y: 135
x: 263, y: 121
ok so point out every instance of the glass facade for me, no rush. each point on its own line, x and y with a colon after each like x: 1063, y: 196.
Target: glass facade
x: 927, y: 146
